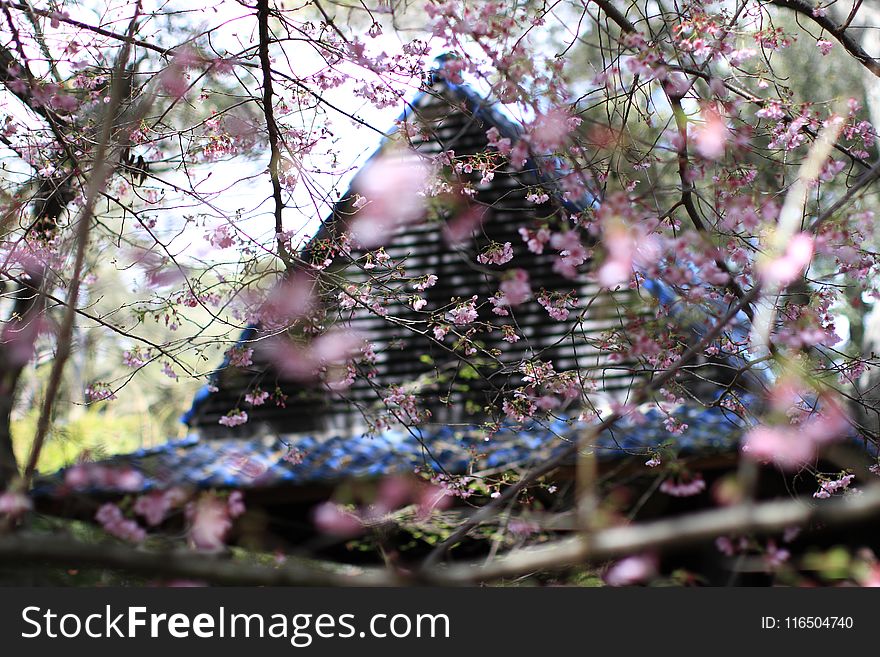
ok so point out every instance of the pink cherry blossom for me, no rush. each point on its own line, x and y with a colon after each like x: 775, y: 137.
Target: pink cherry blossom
x: 424, y: 284
x: 111, y: 519
x: 496, y: 254
x: 256, y: 398
x: 781, y: 445
x: 14, y: 504
x: 829, y: 487
x: 791, y: 446
x: 636, y: 569
x: 515, y: 288
x: 209, y: 523
x: 393, y: 187
x: 332, y: 519
x: 235, y: 504
x: 461, y: 228
x: 234, y: 418
x: 154, y: 506
x: 463, y: 313
x: 572, y: 252
x: 685, y: 486
x: 240, y: 356
x: 786, y: 268
x: 711, y: 138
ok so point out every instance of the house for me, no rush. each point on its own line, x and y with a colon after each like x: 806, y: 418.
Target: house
x: 303, y: 438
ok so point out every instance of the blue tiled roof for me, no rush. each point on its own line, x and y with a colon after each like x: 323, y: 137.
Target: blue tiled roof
x: 262, y: 461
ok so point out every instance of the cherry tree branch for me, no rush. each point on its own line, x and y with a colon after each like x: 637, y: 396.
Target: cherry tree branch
x: 639, y: 396
x: 764, y: 518
x: 272, y: 127
x: 104, y: 155
x: 19, y: 549
x: 837, y: 31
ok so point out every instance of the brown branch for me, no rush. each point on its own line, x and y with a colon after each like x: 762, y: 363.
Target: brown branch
x: 99, y: 176
x: 18, y: 549
x: 272, y: 127
x: 764, y: 518
x: 837, y: 31
x: 125, y: 38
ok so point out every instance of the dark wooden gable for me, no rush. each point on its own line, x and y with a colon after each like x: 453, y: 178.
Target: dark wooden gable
x: 452, y: 119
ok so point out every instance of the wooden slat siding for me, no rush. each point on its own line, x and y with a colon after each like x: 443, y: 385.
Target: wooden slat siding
x: 569, y: 345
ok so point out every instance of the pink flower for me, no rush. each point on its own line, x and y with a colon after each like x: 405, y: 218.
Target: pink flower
x: 631, y: 570
x: 535, y: 240
x: 621, y: 250
x: 509, y: 334
x: 538, y: 198
x: 221, y: 237
x: 111, y: 519
x: 256, y: 398
x: 429, y: 281
x: 174, y: 79
x: 572, y: 252
x: 461, y: 228
x: 496, y: 254
x: 464, y: 313
x: 294, y: 456
x: 771, y: 110
x: 824, y: 46
x: 56, y: 17
x: 235, y: 504
x: 332, y: 519
x: 519, y: 408
x: 289, y: 301
x: 684, y: 487
x: 13, y: 504
x: 394, y: 188
x: 153, y: 507
x: 501, y: 144
x: 725, y: 546
x: 515, y: 287
x: 828, y: 487
x: 555, y: 304
x: 233, y: 418
x: 240, y: 356
x: 549, y: 131
x: 99, y: 391
x: 209, y: 523
x: 785, y: 269
x: 791, y: 446
x: 135, y: 358
x: 781, y: 445
x: 84, y: 475
x: 168, y: 370
x: 775, y: 556
x: 18, y: 339
x: 711, y: 138
x: 328, y: 351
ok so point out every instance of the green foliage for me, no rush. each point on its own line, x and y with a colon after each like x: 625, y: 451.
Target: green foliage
x: 94, y: 432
